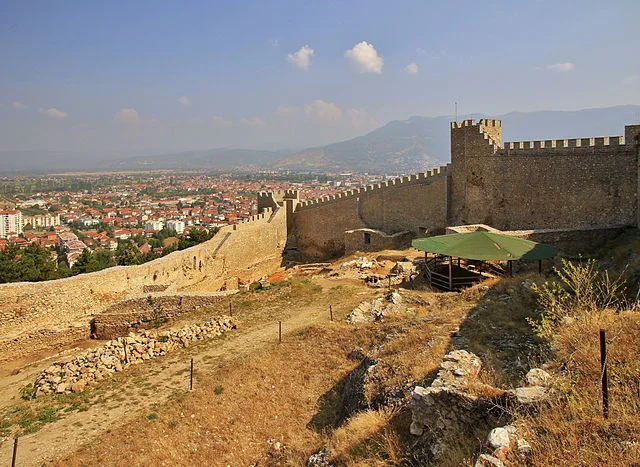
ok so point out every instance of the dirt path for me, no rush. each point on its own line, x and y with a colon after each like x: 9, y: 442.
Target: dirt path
x: 143, y: 387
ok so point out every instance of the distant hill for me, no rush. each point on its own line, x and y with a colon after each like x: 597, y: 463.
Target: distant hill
x: 422, y: 143
x: 400, y: 146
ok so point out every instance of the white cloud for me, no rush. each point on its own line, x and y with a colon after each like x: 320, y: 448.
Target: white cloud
x: 364, y: 58
x: 128, y: 116
x: 562, y: 67
x: 411, y: 68
x: 301, y: 58
x: 53, y: 113
x: 327, y: 114
x: 19, y: 106
x: 184, y: 100
x: 324, y: 111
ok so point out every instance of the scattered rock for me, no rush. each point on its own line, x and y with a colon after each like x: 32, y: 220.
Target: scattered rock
x: 485, y: 460
x: 530, y: 395
x: 319, y: 459
x: 498, y: 438
x: 524, y: 449
x: 538, y: 377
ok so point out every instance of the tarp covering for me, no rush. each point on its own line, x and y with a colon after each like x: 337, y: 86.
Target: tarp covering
x: 485, y: 246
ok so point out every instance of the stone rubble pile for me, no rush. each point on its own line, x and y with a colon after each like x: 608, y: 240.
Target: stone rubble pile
x: 117, y: 354
x: 361, y: 262
x: 375, y: 310
x: 457, y: 399
x: 505, y: 443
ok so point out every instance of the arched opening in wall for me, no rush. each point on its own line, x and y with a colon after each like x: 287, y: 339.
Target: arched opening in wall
x: 367, y: 238
x: 194, y: 262
x: 200, y: 266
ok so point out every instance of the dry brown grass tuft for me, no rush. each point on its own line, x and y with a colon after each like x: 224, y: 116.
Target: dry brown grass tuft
x: 571, y: 430
x: 367, y: 439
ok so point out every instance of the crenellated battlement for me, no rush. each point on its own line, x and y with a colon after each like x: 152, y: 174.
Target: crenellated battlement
x: 553, y: 144
x: 264, y: 216
x: 419, y: 178
x: 488, y: 122
x: 279, y: 194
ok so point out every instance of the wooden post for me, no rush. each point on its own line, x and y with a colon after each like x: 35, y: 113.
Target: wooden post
x: 15, y: 452
x: 458, y: 262
x: 539, y: 266
x: 191, y: 378
x: 450, y: 273
x: 230, y: 310
x: 279, y: 332
x: 510, y: 268
x: 330, y: 313
x: 126, y: 359
x: 605, y: 380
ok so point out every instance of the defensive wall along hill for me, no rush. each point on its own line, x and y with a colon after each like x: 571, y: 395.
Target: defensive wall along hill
x: 585, y: 185
x: 38, y: 316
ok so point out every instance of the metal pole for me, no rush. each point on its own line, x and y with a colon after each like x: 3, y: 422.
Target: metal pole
x: 15, y: 452
x: 279, y: 332
x: 191, y: 378
x: 450, y: 273
x: 605, y: 381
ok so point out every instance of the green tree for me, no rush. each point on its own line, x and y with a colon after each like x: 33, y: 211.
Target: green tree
x: 127, y: 254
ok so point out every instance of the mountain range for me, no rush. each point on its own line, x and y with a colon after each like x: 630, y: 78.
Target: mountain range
x: 400, y: 146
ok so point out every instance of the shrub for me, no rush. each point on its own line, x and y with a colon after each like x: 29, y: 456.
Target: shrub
x: 27, y: 392
x: 581, y: 288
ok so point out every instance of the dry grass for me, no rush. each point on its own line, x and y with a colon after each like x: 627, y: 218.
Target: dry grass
x: 368, y: 439
x: 289, y: 394
x: 571, y: 430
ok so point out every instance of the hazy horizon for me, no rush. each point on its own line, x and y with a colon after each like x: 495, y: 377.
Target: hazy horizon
x: 149, y: 78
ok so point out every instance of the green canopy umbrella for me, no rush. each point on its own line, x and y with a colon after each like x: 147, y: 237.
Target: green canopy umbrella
x: 485, y: 246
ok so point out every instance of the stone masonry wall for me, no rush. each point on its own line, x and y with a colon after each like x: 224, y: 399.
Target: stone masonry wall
x: 141, y: 312
x: 415, y: 204
x: 31, y: 313
x: 555, y: 184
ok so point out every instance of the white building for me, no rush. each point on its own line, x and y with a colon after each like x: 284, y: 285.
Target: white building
x: 154, y: 225
x: 42, y: 221
x: 10, y: 222
x: 176, y: 225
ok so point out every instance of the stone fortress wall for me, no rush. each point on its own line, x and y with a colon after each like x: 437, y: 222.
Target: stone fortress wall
x: 553, y: 184
x: 415, y: 204
x: 564, y: 185
x: 36, y: 316
x: 557, y: 185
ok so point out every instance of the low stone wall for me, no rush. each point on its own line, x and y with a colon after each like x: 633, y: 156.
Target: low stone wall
x: 29, y: 309
x: 120, y: 353
x: 145, y: 311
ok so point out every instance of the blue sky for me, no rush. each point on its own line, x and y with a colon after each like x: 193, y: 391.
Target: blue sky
x: 151, y: 76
